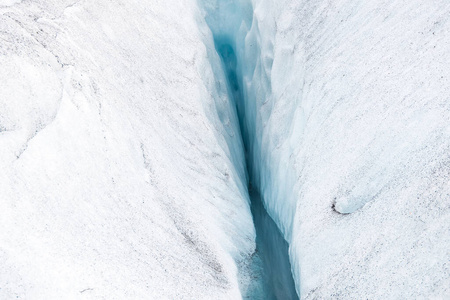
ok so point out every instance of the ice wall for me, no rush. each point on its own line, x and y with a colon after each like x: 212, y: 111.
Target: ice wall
x: 120, y: 177
x: 349, y: 114
x: 230, y: 23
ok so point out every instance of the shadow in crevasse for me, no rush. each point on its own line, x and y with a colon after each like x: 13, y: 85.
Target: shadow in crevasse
x: 271, y: 259
x: 272, y: 250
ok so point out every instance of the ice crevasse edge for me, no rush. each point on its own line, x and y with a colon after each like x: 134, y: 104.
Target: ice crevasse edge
x: 346, y: 117
x: 117, y: 180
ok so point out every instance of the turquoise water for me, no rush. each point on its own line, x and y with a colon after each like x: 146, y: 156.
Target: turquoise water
x: 272, y: 251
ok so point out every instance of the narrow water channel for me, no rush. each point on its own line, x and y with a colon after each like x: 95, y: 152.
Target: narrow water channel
x: 272, y: 250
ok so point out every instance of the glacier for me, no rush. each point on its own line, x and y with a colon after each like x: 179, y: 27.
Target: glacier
x: 137, y: 139
x: 229, y: 21
x: 350, y: 119
x: 118, y: 177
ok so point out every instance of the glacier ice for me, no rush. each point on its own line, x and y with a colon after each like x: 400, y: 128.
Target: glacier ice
x: 346, y: 120
x: 276, y: 277
x: 348, y: 108
x: 118, y: 175
x: 228, y: 21
x: 121, y: 150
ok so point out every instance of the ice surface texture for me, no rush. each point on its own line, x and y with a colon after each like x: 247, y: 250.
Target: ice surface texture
x: 118, y: 176
x: 122, y: 175
x: 229, y: 22
x: 348, y: 105
x: 346, y: 115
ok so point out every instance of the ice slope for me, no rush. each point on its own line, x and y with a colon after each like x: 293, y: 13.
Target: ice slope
x: 122, y: 171
x: 348, y: 110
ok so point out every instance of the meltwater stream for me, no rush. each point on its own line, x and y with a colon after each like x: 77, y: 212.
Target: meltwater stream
x: 272, y: 255
x: 272, y: 249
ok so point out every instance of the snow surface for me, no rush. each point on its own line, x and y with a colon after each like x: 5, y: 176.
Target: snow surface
x: 346, y: 114
x: 118, y: 178
x: 348, y: 110
x: 123, y: 172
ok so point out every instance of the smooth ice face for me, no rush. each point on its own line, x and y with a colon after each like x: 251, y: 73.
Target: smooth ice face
x: 271, y: 266
x: 229, y: 22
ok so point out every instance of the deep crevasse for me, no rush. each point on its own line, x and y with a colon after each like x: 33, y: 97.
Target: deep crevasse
x: 247, y: 57
x: 122, y: 166
x: 236, y: 23
x: 346, y: 120
x: 231, y: 24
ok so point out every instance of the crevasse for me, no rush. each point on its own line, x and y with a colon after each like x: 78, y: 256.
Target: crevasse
x: 247, y: 70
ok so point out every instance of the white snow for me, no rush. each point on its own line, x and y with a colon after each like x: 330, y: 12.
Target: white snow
x: 9, y: 2
x: 350, y: 109
x: 116, y: 179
